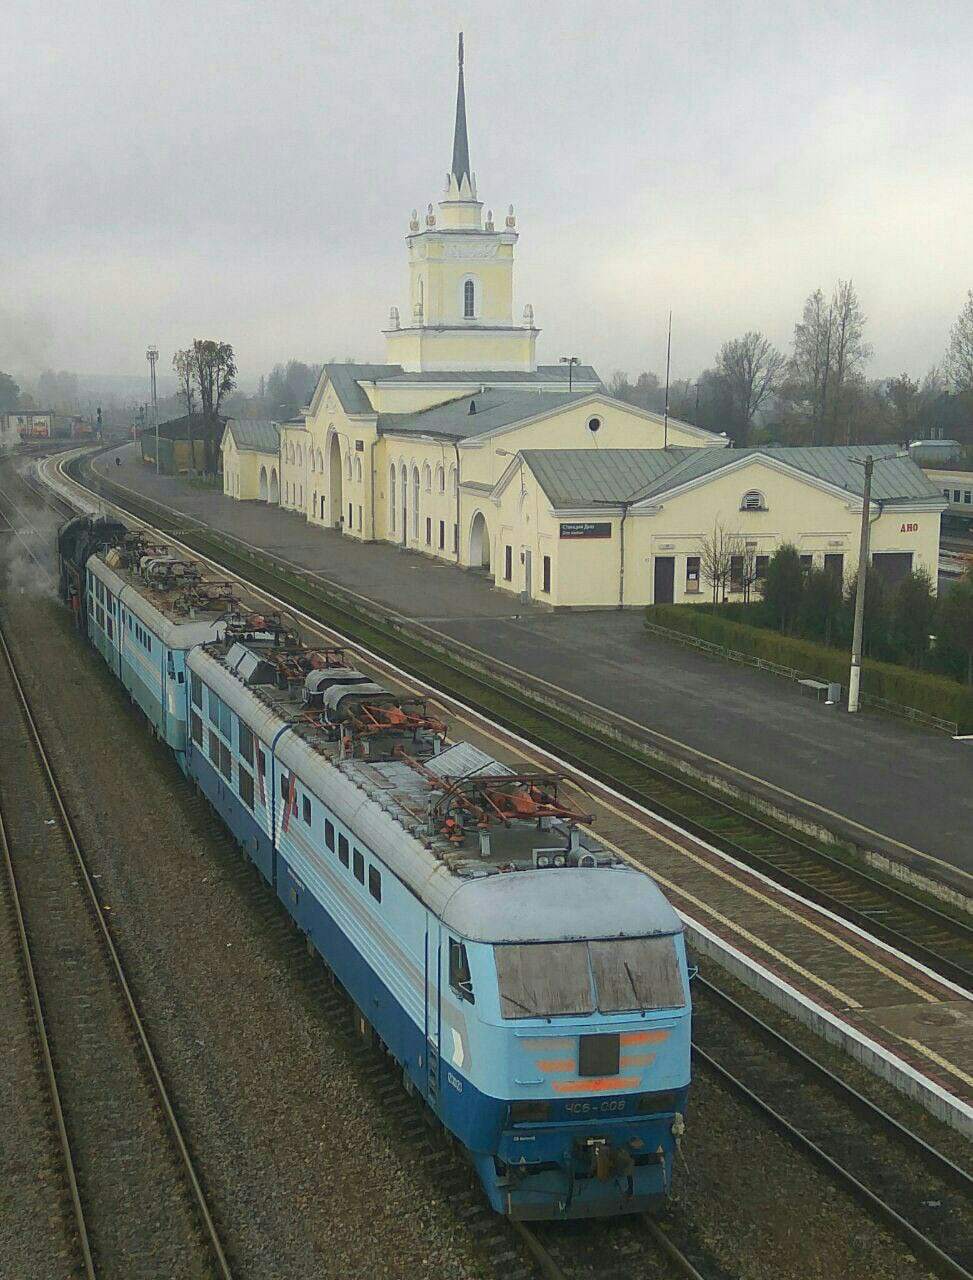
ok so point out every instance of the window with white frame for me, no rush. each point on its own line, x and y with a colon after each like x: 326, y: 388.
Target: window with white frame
x: 440, y: 479
x: 427, y: 478
x: 358, y: 469
x: 469, y: 300
x: 753, y: 500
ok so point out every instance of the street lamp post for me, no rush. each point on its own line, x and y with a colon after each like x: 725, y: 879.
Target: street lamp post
x: 152, y: 355
x: 570, y: 361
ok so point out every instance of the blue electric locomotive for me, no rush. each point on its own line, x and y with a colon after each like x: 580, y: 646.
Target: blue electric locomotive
x: 532, y: 986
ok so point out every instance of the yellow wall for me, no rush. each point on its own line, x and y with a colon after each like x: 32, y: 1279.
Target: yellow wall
x: 622, y: 427
x: 586, y: 572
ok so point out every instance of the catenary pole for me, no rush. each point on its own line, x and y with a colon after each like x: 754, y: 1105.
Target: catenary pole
x: 665, y: 421
x: 854, y: 678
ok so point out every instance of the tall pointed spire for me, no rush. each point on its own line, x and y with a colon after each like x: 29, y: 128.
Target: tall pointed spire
x: 461, y: 145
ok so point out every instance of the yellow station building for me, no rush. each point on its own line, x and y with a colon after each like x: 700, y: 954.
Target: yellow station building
x: 462, y: 447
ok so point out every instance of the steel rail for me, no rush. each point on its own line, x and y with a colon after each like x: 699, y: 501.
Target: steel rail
x: 933, y: 959
x: 162, y: 1092
x: 942, y: 1165
x: 40, y: 1025
x: 551, y: 1270
x: 921, y: 1243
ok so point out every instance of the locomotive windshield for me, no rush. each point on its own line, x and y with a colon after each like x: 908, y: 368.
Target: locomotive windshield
x: 620, y: 975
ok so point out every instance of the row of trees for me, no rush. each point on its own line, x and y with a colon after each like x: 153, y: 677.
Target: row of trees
x: 906, y: 623
x: 818, y: 394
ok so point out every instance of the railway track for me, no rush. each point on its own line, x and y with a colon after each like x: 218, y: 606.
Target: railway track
x: 917, y: 1191
x: 936, y: 937
x: 595, y: 1249
x: 137, y: 1207
x: 899, y: 1178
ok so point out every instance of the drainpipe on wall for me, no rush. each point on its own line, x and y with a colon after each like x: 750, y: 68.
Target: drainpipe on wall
x: 458, y: 539
x: 621, y: 557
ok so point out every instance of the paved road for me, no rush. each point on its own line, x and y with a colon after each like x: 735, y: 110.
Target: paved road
x: 913, y: 787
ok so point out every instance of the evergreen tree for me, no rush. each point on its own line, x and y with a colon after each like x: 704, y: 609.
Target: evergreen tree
x: 784, y: 586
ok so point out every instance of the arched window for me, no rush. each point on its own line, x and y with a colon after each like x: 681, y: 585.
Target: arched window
x: 348, y: 466
x: 440, y: 479
x: 358, y: 470
x: 310, y: 458
x: 300, y: 456
x: 427, y: 478
x: 290, y: 452
x: 753, y: 500
x: 452, y: 481
x: 469, y: 298
x: 415, y: 502
x: 392, y: 498
x: 320, y: 462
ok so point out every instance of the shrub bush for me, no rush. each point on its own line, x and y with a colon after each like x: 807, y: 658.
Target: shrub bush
x: 935, y: 695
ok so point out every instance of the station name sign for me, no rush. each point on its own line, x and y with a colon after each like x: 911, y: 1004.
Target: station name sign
x: 586, y: 529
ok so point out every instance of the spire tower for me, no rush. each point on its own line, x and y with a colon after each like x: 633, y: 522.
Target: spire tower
x: 461, y: 143
x: 461, y: 278
x: 460, y: 181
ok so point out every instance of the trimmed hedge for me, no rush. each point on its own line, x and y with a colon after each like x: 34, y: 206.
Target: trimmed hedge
x: 933, y: 694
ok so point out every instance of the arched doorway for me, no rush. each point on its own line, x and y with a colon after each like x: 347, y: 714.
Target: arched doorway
x: 392, y: 498
x: 335, y: 479
x: 263, y: 484
x: 274, y: 490
x: 479, y: 543
x: 404, y: 486
x: 415, y: 504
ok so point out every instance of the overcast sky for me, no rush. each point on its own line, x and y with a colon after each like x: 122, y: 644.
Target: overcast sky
x: 246, y: 171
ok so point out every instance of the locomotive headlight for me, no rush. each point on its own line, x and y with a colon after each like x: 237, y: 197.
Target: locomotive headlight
x: 543, y: 860
x: 560, y: 860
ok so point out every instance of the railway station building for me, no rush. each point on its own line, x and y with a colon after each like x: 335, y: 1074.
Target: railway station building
x: 461, y: 446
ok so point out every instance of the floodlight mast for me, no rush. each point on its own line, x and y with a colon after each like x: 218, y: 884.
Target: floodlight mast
x: 152, y: 355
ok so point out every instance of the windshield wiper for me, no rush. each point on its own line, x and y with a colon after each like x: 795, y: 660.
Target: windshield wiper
x: 530, y: 1012
x: 635, y: 992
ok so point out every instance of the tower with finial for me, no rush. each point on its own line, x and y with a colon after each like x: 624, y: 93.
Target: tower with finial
x: 461, y: 277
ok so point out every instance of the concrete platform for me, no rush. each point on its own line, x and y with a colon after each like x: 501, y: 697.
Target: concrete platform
x: 903, y: 1022
x: 892, y: 787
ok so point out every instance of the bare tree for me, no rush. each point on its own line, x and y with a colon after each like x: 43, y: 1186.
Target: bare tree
x: 751, y: 369
x: 716, y: 553
x: 214, y: 369
x: 959, y: 354
x: 182, y: 363
x: 829, y: 351
x: 849, y: 351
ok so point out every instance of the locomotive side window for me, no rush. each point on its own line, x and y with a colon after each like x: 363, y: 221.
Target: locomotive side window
x: 460, y: 978
x: 329, y: 834
x: 306, y: 809
x: 359, y: 866
x: 246, y: 787
x: 343, y: 850
x: 375, y: 883
x: 636, y: 973
x: 541, y: 980
x: 246, y: 744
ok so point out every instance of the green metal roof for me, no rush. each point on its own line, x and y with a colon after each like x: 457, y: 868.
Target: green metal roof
x: 257, y: 434
x: 492, y: 408
x: 574, y: 477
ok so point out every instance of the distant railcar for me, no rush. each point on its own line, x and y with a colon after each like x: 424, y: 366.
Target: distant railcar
x: 532, y: 986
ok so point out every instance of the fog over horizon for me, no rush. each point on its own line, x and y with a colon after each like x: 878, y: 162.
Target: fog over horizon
x: 247, y: 173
